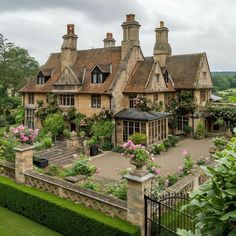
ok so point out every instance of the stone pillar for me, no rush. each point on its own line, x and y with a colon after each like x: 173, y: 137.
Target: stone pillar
x: 73, y: 141
x: 135, y: 198
x: 23, y: 162
x: 86, y: 149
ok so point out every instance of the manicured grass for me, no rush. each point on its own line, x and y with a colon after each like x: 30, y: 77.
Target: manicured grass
x: 12, y: 224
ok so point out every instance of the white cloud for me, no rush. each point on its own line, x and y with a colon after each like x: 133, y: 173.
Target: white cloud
x: 195, y: 26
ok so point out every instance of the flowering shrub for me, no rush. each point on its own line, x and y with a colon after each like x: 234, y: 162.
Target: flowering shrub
x: 188, y: 162
x: 220, y: 142
x: 137, y: 153
x: 24, y: 134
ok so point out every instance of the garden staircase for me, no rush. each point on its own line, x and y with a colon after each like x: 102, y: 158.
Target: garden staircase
x: 59, y: 154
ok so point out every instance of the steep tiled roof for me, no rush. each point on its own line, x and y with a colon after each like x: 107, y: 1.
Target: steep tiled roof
x: 86, y: 61
x: 183, y: 69
x: 140, y: 76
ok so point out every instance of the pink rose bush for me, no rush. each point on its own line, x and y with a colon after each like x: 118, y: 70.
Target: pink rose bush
x: 24, y: 134
x: 140, y: 156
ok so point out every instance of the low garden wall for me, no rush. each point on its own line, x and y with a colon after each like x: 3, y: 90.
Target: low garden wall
x: 7, y: 169
x: 89, y: 198
x: 190, y: 182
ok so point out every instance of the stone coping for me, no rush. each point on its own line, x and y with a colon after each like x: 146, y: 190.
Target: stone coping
x: 23, y: 148
x: 139, y: 179
x: 7, y: 164
x: 77, y: 189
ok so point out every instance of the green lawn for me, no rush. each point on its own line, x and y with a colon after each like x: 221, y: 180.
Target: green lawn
x: 12, y: 224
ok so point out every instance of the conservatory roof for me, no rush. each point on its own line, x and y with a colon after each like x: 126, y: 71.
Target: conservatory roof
x: 137, y: 114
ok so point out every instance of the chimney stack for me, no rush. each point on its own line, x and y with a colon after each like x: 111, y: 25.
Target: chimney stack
x: 69, y: 48
x: 130, y: 34
x: 109, y: 41
x: 162, y: 47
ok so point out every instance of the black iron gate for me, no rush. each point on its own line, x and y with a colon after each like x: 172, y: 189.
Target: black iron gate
x: 163, y: 215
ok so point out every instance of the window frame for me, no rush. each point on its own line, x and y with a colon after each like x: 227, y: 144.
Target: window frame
x: 96, y: 101
x: 31, y: 98
x: 66, y: 100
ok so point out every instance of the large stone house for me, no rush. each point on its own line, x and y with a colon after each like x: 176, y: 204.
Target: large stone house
x: 111, y: 77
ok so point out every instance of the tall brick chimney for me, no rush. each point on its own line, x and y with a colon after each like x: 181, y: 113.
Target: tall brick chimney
x: 109, y: 41
x: 69, y: 47
x: 162, y: 47
x: 130, y: 34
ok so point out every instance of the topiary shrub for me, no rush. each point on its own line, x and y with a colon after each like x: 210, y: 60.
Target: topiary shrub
x: 200, y: 132
x: 138, y: 138
x: 47, y: 142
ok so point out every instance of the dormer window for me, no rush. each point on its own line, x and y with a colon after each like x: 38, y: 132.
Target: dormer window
x: 99, y: 73
x: 40, y: 79
x: 97, y: 78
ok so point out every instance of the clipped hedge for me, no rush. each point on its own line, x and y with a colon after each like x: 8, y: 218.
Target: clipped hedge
x: 59, y: 214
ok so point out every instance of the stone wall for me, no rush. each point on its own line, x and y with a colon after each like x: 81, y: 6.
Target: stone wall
x: 7, y: 169
x: 106, y: 204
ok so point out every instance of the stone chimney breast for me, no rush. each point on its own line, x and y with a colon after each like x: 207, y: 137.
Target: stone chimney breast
x: 109, y: 41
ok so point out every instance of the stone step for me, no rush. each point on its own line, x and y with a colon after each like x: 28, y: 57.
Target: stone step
x: 64, y: 157
x: 57, y: 155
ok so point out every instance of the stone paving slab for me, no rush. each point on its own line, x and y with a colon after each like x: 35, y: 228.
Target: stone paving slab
x: 111, y: 162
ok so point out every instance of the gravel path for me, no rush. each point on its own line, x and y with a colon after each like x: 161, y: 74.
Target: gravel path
x: 111, y: 162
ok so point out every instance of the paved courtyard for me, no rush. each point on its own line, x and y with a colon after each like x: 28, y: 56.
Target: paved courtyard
x: 111, y: 162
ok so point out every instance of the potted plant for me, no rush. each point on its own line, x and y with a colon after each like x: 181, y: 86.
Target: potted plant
x: 93, y: 147
x: 138, y: 156
x: 187, y: 130
x: 40, y: 162
x: 24, y: 135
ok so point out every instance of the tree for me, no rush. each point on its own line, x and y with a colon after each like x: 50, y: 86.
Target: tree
x: 54, y: 123
x: 214, y: 204
x: 16, y: 67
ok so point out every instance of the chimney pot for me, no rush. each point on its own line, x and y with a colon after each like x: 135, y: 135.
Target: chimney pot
x: 130, y: 17
x: 161, y: 24
x: 109, y: 35
x: 70, y: 29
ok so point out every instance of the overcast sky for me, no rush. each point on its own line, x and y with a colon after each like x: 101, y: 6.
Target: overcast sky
x: 195, y: 25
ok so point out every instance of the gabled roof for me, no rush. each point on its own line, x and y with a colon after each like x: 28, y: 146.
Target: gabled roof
x: 67, y: 77
x: 86, y: 61
x: 137, y: 114
x: 140, y: 77
x: 184, y: 69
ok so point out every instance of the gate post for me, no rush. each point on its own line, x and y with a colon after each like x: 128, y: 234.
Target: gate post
x: 23, y: 162
x: 135, y: 198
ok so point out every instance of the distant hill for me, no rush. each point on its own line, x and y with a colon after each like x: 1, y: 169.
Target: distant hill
x: 223, y: 73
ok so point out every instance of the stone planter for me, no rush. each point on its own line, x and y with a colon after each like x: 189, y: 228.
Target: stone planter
x: 139, y: 170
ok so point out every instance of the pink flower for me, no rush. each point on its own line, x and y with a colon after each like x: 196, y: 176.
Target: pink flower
x: 157, y: 172
x: 184, y: 152
x: 152, y: 158
x: 25, y: 139
x: 180, y: 168
x: 132, y: 156
x: 98, y: 170
x: 154, y: 168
